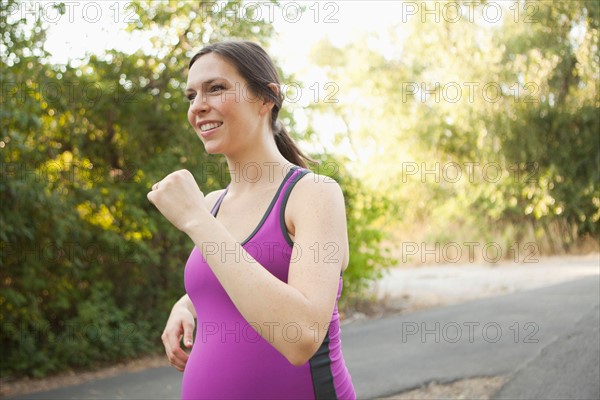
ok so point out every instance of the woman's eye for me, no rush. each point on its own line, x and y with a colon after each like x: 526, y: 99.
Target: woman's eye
x: 216, y: 88
x: 191, y: 97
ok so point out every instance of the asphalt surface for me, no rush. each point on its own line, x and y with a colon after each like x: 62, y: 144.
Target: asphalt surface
x: 546, y: 340
x: 566, y: 369
x: 507, y: 333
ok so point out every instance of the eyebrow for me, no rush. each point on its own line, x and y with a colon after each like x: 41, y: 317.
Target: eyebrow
x: 205, y: 83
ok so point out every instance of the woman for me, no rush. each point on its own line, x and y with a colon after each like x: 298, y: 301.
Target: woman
x: 264, y: 277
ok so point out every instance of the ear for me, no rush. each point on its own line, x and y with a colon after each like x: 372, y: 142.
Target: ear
x: 268, y: 104
x: 274, y: 87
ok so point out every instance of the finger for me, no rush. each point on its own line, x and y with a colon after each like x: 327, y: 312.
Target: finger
x: 170, y: 356
x: 177, y: 368
x: 188, y: 331
x: 177, y: 352
x: 177, y: 357
x: 178, y: 363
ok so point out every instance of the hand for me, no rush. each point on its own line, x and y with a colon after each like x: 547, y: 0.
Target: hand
x: 180, y: 325
x: 179, y: 199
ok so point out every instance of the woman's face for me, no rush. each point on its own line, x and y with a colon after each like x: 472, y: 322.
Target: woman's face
x: 225, y: 114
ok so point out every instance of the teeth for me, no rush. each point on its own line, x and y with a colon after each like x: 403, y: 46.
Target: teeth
x: 209, y: 126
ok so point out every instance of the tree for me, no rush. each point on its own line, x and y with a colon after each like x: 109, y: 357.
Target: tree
x: 479, y: 127
x: 89, y: 268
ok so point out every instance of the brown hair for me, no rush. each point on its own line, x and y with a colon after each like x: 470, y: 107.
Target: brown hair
x: 257, y: 68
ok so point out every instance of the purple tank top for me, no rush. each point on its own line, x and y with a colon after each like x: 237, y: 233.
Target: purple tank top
x: 229, y: 359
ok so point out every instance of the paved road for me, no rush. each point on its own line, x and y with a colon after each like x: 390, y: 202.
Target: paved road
x: 547, y: 340
x: 569, y: 368
x: 507, y: 332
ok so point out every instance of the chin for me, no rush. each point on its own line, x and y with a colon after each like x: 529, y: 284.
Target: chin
x: 212, y: 148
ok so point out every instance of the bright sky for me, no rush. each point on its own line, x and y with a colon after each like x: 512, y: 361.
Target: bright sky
x: 95, y: 26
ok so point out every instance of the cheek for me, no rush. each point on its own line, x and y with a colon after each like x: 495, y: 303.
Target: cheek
x: 190, y: 116
x: 222, y: 105
x: 225, y: 110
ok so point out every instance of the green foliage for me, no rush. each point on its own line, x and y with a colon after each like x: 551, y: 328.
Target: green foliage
x: 365, y: 211
x: 90, y: 269
x: 527, y: 147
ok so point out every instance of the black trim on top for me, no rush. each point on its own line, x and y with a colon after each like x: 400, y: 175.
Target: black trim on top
x: 320, y: 369
x: 286, y: 195
x: 271, y: 205
x: 217, y: 205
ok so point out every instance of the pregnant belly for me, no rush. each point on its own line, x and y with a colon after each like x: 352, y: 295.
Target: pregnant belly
x: 228, y: 364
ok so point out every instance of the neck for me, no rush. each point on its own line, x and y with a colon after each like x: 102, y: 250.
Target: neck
x: 259, y: 166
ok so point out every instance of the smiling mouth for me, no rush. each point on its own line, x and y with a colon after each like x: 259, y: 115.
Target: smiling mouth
x: 210, y: 125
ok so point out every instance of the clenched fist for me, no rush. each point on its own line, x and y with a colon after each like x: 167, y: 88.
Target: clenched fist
x: 179, y: 199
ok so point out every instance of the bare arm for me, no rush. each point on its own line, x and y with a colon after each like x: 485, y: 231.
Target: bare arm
x: 186, y: 302
x: 180, y: 326
x: 317, y: 213
x: 181, y: 323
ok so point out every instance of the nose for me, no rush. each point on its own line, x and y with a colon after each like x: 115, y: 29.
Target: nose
x: 199, y: 105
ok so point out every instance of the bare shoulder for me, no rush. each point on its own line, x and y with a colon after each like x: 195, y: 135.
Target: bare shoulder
x: 316, y: 213
x: 212, y: 197
x: 314, y: 190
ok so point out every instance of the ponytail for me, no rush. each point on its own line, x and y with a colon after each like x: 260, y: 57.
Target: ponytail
x: 288, y: 148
